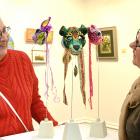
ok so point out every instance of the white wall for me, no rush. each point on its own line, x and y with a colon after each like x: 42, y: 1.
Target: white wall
x: 115, y: 77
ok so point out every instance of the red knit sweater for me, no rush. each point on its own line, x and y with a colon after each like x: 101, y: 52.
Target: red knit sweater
x: 19, y: 84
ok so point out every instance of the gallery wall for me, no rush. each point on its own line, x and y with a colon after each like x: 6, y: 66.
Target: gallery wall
x: 111, y: 79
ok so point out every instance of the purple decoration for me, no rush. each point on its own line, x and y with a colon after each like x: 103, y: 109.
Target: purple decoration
x: 45, y: 26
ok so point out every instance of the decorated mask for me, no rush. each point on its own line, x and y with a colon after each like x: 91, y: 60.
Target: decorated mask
x: 73, y: 42
x: 73, y: 38
x: 41, y: 34
x: 95, y: 35
x: 40, y: 37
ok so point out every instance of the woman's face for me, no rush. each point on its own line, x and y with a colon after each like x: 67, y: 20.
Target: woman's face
x: 136, y: 50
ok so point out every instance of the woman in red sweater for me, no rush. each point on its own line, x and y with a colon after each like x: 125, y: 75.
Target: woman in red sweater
x: 19, y: 84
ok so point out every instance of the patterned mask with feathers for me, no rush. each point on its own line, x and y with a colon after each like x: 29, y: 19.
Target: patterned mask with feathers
x: 73, y: 41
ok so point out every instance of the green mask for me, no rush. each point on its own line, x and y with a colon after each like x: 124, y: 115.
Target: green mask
x: 73, y: 38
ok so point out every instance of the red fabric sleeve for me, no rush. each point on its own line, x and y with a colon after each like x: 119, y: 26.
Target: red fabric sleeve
x: 38, y: 109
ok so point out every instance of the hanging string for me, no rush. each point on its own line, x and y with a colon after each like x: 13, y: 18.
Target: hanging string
x: 98, y: 88
x: 82, y: 75
x: 66, y: 60
x: 72, y: 91
x: 90, y: 76
x: 48, y: 73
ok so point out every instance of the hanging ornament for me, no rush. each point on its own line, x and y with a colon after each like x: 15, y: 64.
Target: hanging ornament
x: 75, y: 71
x: 95, y: 37
x: 40, y: 37
x: 73, y: 42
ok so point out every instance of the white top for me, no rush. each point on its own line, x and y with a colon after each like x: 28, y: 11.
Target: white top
x: 84, y: 129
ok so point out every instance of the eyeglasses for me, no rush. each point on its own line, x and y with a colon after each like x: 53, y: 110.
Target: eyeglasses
x: 137, y: 41
x: 5, y: 30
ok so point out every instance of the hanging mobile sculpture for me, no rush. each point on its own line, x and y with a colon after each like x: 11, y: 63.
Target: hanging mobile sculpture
x: 40, y: 37
x: 95, y: 37
x: 73, y: 41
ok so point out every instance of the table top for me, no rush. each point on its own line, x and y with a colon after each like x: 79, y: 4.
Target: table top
x: 84, y: 129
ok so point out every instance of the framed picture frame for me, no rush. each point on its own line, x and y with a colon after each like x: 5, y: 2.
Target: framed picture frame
x: 28, y: 35
x: 108, y: 49
x: 38, y: 56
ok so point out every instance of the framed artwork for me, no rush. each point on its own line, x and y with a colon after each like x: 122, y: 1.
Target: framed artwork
x: 39, y: 56
x: 28, y: 35
x: 30, y: 32
x: 108, y: 49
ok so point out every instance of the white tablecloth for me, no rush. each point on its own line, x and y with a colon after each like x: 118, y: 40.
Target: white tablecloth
x: 84, y: 129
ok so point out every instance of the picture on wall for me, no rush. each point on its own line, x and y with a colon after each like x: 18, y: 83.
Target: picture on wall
x: 108, y: 48
x: 39, y: 56
x: 28, y: 35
